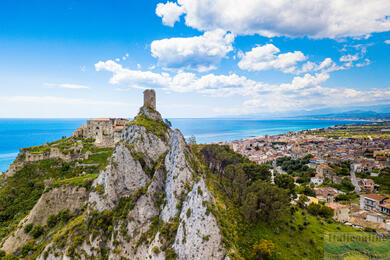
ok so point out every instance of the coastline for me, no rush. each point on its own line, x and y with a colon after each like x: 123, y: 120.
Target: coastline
x: 20, y: 133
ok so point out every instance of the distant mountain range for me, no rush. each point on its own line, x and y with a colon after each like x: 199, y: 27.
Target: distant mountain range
x: 354, y: 114
x: 374, y: 112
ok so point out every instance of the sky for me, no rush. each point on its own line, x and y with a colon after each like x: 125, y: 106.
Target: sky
x: 204, y: 58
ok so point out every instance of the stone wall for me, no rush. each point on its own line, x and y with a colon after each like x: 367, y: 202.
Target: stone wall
x: 150, y: 98
x: 105, y: 131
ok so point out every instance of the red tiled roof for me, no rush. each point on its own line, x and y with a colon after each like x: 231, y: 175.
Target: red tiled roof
x: 369, y: 181
x: 374, y: 196
x: 335, y: 205
x: 384, y: 206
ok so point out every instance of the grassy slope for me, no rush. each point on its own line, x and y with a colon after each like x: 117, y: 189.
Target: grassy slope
x: 293, y: 238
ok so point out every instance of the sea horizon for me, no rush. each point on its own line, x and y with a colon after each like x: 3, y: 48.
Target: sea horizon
x: 16, y: 133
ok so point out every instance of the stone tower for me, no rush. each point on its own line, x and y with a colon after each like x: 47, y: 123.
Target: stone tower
x: 150, y: 98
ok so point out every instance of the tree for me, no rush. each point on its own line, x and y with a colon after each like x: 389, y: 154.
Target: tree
x: 320, y: 210
x: 266, y: 201
x: 309, y: 191
x: 235, y: 182
x: 347, y: 184
x: 302, y: 200
x: 285, y: 182
x: 257, y: 171
x: 168, y: 122
x: 191, y: 139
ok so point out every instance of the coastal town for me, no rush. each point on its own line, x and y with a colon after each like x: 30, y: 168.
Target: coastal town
x: 347, y: 167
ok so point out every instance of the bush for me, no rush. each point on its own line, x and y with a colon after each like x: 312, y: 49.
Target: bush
x: 264, y: 249
x: 320, y: 210
x: 51, y: 221
x: 28, y: 228
x: 156, y: 250
x: 37, y: 231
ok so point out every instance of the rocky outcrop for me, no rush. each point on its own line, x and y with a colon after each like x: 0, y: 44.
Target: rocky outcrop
x: 198, y: 236
x: 157, y: 198
x: 51, y: 202
x: 120, y: 179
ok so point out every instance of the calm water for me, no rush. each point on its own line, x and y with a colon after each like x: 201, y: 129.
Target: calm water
x: 19, y: 133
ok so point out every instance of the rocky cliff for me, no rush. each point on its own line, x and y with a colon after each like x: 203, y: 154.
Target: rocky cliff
x: 150, y: 202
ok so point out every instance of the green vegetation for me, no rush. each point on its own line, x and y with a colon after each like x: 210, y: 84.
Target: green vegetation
x: 82, y: 181
x: 383, y: 180
x: 361, y: 131
x: 297, y: 167
x: 98, y: 158
x: 247, y: 184
x: 277, y: 231
x: 21, y: 191
x: 157, y: 128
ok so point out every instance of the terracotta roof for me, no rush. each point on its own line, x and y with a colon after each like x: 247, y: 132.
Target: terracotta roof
x: 369, y: 181
x: 118, y: 127
x: 374, y: 196
x: 325, y: 191
x: 384, y: 206
x: 335, y: 205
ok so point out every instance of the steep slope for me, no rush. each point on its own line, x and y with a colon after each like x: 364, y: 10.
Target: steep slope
x: 52, y: 202
x: 149, y: 203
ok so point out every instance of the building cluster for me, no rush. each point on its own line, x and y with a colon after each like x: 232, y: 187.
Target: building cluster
x: 105, y: 131
x: 367, y: 155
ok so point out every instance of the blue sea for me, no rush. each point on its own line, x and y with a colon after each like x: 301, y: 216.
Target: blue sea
x: 19, y: 133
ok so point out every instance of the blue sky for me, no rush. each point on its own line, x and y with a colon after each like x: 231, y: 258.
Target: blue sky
x: 204, y: 58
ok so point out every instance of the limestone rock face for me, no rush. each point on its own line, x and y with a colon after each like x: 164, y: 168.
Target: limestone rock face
x: 198, y: 236
x: 162, y: 198
x: 121, y: 178
x: 179, y: 173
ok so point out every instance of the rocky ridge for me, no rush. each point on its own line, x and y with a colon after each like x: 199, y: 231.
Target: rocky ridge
x: 151, y: 202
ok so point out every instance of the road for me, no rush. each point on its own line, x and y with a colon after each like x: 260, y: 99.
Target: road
x: 354, y: 180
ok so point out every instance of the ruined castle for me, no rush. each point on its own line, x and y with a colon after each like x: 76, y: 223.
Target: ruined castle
x: 107, y: 131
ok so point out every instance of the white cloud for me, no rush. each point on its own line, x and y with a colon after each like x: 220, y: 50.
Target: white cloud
x: 267, y: 57
x: 349, y: 58
x: 65, y: 85
x: 200, y: 53
x: 133, y: 78
x: 326, y: 66
x: 303, y: 92
x: 366, y: 62
x: 170, y: 13
x: 315, y: 19
x: 387, y: 41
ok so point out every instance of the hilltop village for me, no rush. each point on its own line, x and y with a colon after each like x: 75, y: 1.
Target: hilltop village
x: 347, y: 167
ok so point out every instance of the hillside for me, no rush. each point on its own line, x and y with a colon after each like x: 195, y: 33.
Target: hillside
x: 152, y: 196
